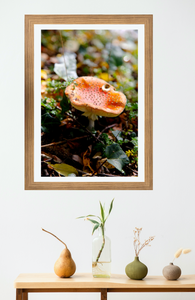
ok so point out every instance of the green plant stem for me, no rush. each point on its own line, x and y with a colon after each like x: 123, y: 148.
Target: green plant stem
x: 103, y: 244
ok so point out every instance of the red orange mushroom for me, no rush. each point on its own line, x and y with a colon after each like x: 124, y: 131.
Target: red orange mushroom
x: 95, y: 97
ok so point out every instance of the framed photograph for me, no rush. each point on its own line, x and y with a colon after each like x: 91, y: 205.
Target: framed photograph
x: 88, y: 102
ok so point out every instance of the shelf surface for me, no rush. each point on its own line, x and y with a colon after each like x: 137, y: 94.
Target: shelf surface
x: 86, y: 281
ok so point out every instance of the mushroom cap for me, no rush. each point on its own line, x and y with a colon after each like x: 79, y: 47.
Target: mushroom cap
x: 95, y: 97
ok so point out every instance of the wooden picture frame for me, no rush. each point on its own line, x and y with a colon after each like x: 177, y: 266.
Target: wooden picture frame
x: 30, y: 22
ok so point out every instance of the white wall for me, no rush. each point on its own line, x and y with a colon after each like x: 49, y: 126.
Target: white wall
x: 166, y: 212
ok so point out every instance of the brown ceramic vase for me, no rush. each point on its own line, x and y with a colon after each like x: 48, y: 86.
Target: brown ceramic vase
x: 171, y: 272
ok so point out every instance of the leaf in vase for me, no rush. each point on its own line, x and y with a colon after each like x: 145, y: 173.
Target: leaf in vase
x: 95, y: 228
x: 102, y: 212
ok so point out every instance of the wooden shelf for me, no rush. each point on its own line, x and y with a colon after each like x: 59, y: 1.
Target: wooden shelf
x: 49, y: 282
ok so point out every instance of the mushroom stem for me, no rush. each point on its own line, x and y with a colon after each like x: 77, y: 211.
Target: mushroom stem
x: 91, y: 124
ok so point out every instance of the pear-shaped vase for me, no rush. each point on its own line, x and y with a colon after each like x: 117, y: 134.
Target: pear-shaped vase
x: 136, y: 269
x: 171, y: 272
x: 65, y: 266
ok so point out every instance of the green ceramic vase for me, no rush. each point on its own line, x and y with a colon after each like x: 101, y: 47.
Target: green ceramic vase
x: 136, y: 269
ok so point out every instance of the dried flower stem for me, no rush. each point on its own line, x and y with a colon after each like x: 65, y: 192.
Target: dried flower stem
x: 137, y: 244
x: 187, y: 250
x: 180, y: 251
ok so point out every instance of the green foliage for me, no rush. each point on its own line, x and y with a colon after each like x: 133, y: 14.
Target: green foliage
x: 65, y: 104
x: 99, y: 221
x: 54, y: 109
x: 51, y: 116
x: 132, y: 108
x: 116, y: 156
x: 49, y: 104
x: 135, y: 150
x: 107, y: 141
x: 105, y: 138
x: 113, y: 150
x: 118, y: 135
x: 55, y: 86
x: 48, y: 122
x: 134, y: 140
x: 100, y: 147
x: 133, y: 153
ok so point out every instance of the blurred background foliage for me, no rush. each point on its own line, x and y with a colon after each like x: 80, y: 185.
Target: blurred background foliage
x: 111, y: 55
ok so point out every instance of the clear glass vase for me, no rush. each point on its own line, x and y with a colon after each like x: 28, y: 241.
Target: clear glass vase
x: 101, y: 255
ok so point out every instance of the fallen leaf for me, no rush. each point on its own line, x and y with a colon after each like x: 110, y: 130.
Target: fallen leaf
x: 66, y: 121
x: 64, y: 169
x: 43, y: 74
x: 44, y: 56
x: 53, y: 60
x: 72, y: 45
x: 106, y: 163
x: 48, y: 155
x: 99, y: 167
x: 119, y: 127
x: 105, y: 76
x: 71, y: 67
x: 104, y: 64
x: 87, y: 161
x: 43, y: 87
x: 77, y: 158
x: 97, y: 155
